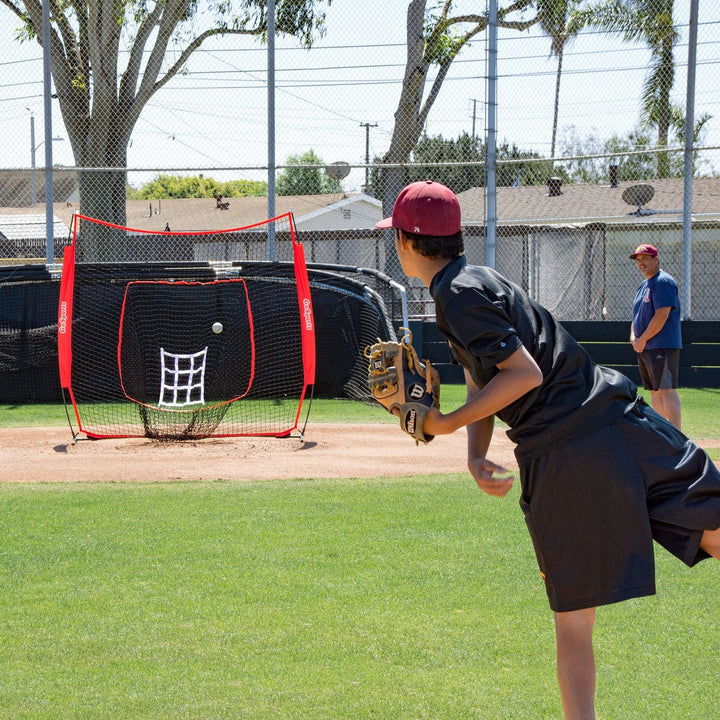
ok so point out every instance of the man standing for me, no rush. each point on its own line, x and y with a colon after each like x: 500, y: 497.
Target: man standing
x: 655, y: 333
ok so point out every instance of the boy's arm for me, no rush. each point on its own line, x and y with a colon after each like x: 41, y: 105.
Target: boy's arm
x: 517, y: 375
x: 479, y: 436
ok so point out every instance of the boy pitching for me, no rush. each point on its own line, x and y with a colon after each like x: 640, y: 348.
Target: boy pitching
x: 601, y: 473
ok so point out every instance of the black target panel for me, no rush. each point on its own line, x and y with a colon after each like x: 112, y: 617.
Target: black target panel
x: 186, y: 346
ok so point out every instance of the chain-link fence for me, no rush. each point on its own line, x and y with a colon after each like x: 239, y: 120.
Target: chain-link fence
x: 571, y: 154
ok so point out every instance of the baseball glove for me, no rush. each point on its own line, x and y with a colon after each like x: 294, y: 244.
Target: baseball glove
x: 399, y: 381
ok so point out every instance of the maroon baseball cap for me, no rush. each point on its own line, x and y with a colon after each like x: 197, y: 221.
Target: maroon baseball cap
x: 425, y: 208
x: 650, y: 250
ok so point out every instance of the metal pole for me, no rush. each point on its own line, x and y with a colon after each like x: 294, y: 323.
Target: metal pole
x: 47, y: 105
x: 271, y: 126
x: 33, y: 180
x: 688, y: 180
x: 491, y: 133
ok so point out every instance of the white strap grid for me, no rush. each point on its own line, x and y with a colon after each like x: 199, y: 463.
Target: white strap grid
x: 183, y: 378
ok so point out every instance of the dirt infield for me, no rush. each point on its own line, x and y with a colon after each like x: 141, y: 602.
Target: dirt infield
x: 353, y: 450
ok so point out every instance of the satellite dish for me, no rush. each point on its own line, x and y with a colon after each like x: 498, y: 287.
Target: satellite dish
x: 639, y: 195
x: 338, y: 170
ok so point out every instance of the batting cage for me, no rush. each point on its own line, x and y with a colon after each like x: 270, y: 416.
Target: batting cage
x: 172, y: 349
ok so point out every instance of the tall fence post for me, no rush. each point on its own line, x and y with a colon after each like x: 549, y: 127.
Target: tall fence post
x: 47, y: 100
x: 491, y: 180
x: 271, y: 126
x: 688, y: 171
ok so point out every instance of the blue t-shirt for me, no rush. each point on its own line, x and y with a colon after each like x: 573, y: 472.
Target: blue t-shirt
x: 659, y: 291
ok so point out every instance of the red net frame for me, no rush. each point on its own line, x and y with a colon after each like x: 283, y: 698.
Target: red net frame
x: 90, y: 309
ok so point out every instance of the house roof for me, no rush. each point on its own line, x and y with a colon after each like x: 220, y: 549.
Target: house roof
x: 202, y: 214
x: 530, y: 204
x: 16, y: 187
x: 370, y: 210
x: 582, y: 203
x: 30, y: 227
x: 193, y: 214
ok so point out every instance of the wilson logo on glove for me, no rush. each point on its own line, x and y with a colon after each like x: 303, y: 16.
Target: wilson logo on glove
x: 416, y: 391
x: 402, y: 384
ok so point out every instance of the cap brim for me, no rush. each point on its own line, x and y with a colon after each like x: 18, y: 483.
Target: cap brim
x: 386, y: 223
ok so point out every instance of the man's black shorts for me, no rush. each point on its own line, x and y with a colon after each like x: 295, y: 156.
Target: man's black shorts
x: 594, y: 504
x: 659, y: 368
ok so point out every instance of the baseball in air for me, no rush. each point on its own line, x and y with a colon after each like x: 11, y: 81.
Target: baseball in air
x: 217, y: 328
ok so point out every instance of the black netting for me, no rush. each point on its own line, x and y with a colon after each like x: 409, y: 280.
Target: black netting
x: 28, y: 336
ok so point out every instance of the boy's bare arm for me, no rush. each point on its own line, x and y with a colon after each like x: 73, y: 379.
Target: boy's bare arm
x: 518, y: 375
x: 491, y: 478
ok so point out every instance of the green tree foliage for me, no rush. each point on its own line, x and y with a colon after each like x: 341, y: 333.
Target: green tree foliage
x: 180, y: 186
x: 460, y: 163
x: 515, y: 166
x: 305, y: 176
x: 592, y: 156
x: 649, y: 22
x: 465, y: 158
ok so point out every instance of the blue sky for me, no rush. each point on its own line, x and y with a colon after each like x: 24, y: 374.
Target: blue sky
x: 214, y: 116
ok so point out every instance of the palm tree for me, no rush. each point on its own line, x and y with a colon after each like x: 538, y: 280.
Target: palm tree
x: 555, y: 21
x: 651, y: 22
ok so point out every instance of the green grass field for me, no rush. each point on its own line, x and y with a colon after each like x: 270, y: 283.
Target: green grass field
x: 327, y: 599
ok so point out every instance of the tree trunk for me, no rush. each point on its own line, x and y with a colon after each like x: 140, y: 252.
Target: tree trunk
x: 102, y: 197
x: 392, y: 180
x: 557, y: 102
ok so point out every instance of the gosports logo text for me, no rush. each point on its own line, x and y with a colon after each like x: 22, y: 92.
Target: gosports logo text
x: 62, y: 319
x: 307, y: 313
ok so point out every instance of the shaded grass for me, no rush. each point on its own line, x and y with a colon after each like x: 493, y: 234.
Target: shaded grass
x: 399, y: 598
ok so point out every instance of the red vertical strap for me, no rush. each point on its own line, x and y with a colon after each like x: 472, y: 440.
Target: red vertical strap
x: 67, y: 283
x: 307, y: 320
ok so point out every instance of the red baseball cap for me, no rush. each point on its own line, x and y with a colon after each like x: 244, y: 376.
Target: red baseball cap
x: 650, y: 250
x: 425, y: 208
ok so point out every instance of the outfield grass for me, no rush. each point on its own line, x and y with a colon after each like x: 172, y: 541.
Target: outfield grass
x: 328, y: 599
x: 700, y: 411
x: 380, y: 599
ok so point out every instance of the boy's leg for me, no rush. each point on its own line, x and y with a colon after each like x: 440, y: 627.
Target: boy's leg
x: 710, y: 543
x: 576, y: 663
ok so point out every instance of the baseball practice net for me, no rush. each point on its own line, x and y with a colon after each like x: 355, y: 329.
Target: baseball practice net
x: 181, y: 349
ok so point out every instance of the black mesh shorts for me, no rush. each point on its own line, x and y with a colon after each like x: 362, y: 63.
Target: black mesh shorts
x: 659, y: 368
x: 594, y: 504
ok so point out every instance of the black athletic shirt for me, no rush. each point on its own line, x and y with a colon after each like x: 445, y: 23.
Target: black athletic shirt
x: 486, y: 318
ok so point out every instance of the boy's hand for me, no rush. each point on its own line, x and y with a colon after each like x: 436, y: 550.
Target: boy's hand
x: 483, y: 470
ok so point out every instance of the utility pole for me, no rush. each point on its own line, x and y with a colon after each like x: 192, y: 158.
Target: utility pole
x: 367, y: 127
x: 474, y: 102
